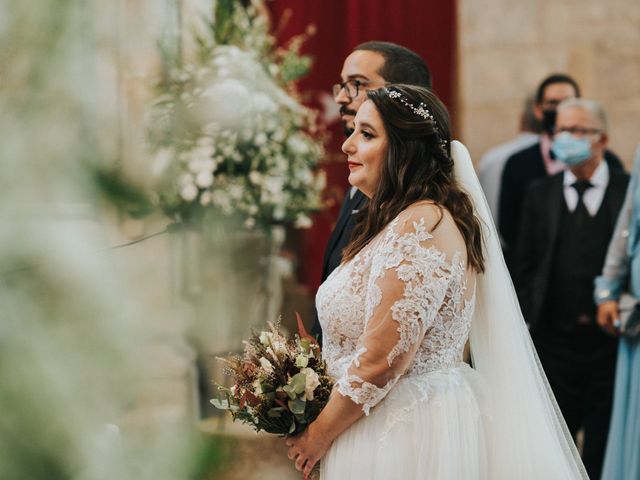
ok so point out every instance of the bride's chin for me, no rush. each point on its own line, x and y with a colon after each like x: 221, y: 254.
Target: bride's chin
x: 353, y: 180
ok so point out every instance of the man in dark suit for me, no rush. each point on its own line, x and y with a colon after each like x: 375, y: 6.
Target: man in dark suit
x: 371, y: 65
x: 566, y: 225
x: 535, y: 161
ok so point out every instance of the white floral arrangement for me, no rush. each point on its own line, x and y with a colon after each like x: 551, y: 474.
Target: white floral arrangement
x: 228, y: 133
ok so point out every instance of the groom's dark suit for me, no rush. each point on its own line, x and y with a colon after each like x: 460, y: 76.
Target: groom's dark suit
x: 339, y: 239
x: 559, y: 254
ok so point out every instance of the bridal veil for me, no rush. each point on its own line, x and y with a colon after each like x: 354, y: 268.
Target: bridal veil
x: 528, y: 438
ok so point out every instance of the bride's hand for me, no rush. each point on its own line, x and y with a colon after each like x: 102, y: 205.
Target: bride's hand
x: 307, y: 448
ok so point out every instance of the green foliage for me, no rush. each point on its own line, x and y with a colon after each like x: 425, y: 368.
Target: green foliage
x: 121, y: 192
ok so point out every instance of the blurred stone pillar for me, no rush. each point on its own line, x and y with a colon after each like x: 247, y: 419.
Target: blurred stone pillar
x: 169, y: 392
x: 228, y: 282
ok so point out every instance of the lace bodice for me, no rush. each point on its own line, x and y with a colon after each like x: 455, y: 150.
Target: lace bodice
x: 401, y: 306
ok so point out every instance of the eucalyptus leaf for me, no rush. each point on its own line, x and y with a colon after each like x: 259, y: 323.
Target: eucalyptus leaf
x: 297, y: 406
x: 275, y: 412
x: 220, y: 404
x: 289, y: 391
x: 298, y: 382
x: 302, y: 361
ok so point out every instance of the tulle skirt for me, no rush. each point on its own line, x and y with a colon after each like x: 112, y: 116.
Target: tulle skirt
x: 431, y: 426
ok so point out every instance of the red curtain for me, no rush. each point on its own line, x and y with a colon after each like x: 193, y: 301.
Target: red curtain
x: 426, y: 27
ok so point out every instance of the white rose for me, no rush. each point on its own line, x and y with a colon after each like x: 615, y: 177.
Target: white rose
x: 280, y: 348
x: 189, y: 192
x: 312, y: 382
x: 266, y: 365
x: 204, y: 179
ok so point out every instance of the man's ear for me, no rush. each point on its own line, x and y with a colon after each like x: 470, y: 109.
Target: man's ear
x: 537, y: 111
x: 604, y: 139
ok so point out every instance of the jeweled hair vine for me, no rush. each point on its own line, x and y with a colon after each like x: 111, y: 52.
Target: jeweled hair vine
x: 421, y: 110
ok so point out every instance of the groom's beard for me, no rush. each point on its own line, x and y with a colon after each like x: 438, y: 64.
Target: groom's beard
x: 346, y: 128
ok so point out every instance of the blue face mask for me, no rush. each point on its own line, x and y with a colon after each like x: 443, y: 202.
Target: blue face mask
x: 571, y: 150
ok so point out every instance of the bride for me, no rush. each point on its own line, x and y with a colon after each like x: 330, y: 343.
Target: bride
x: 422, y: 274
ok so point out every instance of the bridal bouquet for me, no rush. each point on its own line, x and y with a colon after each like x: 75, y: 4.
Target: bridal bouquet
x: 280, y: 385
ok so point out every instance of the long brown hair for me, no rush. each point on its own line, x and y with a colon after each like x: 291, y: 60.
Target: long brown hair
x: 418, y: 167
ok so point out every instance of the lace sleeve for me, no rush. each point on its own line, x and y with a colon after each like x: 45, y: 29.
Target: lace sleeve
x: 408, y: 283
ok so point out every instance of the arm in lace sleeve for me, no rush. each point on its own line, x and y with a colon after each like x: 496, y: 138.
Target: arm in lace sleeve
x: 408, y: 283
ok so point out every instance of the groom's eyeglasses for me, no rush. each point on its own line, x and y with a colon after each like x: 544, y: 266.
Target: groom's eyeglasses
x: 351, y: 88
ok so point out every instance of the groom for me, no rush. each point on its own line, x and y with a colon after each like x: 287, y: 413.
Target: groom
x: 371, y: 65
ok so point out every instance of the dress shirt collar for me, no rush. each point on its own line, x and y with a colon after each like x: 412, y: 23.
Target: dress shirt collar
x: 600, y: 177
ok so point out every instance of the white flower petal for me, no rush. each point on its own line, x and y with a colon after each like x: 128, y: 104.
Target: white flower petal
x: 189, y: 192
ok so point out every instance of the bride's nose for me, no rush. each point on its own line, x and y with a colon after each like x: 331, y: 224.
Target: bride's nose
x: 349, y: 145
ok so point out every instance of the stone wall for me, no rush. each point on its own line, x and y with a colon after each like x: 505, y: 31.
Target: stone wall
x: 507, y: 47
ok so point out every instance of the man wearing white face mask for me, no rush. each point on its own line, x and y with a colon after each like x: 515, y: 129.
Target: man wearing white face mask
x: 566, y: 224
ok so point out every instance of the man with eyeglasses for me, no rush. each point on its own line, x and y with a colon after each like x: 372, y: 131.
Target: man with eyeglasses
x: 369, y: 66
x: 535, y: 161
x: 567, y: 222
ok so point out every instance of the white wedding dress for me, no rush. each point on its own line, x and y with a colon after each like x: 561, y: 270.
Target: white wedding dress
x: 395, y: 320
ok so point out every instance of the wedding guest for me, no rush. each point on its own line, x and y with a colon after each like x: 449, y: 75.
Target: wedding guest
x: 535, y: 161
x: 492, y: 163
x: 567, y: 223
x: 369, y: 66
x: 622, y: 272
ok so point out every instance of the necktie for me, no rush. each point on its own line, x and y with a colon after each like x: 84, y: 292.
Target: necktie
x: 581, y: 213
